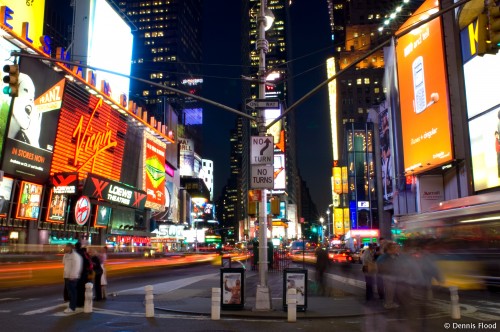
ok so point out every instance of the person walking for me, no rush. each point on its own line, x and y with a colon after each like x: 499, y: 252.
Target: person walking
x: 72, y: 262
x: 97, y: 267
x: 104, y: 278
x: 321, y: 265
x: 84, y: 277
x: 387, y: 266
x: 369, y: 270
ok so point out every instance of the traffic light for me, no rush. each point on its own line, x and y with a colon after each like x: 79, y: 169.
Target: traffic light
x: 275, y: 206
x: 494, y: 27
x: 12, y: 79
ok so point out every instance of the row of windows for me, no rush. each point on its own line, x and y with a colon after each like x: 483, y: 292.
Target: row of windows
x: 165, y: 58
x: 359, y: 81
x: 160, y: 50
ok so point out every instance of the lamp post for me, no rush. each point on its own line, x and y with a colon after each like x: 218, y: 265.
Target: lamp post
x: 263, y: 295
x: 328, y: 220
x: 322, y: 220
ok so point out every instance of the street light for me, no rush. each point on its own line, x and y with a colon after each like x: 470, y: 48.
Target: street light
x: 322, y: 220
x: 263, y: 295
x: 328, y: 216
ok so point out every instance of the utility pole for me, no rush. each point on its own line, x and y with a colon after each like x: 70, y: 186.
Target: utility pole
x: 263, y: 296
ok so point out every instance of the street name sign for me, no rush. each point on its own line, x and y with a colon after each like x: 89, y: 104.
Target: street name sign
x: 262, y: 177
x: 262, y: 150
x: 263, y: 103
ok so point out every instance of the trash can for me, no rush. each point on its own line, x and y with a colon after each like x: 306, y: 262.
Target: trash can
x: 295, y: 278
x: 232, y: 284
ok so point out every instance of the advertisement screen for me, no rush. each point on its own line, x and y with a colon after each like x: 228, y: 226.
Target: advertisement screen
x: 57, y: 207
x: 154, y: 172
x: 5, y: 194
x: 90, y: 136
x: 186, y: 148
x: 110, y: 46
x: 483, y: 109
x: 28, y: 205
x: 19, y: 12
x: 33, y: 121
x: 102, y: 217
x: 279, y: 172
x: 423, y: 88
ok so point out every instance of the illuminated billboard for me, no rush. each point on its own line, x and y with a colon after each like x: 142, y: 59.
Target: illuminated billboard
x: 482, y: 77
x: 35, y: 112
x: 422, y: 78
x: 102, y: 216
x: 5, y: 194
x: 57, y: 207
x: 28, y: 204
x: 193, y: 116
x: 186, y: 148
x: 25, y: 19
x: 279, y: 172
x: 90, y: 136
x: 105, y: 40
x: 154, y: 172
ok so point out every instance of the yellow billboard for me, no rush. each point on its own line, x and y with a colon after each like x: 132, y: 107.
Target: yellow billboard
x: 24, y: 19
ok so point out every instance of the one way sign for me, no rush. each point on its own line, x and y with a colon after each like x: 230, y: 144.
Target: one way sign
x: 263, y: 103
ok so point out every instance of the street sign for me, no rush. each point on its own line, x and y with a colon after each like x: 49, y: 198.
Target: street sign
x: 262, y: 177
x: 262, y: 150
x: 263, y: 103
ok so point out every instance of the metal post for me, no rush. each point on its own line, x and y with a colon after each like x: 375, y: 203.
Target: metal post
x: 263, y: 296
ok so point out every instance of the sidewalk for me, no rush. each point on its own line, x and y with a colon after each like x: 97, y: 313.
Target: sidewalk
x: 195, y: 298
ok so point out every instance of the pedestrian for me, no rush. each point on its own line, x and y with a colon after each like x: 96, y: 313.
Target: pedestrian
x: 369, y: 270
x: 97, y: 268
x: 378, y: 277
x: 321, y: 266
x: 72, y: 262
x: 104, y: 278
x: 387, y: 265
x: 84, y: 277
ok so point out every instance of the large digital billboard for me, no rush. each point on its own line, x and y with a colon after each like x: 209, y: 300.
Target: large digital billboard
x: 23, y: 18
x: 32, y: 125
x: 104, y: 39
x: 90, y: 136
x: 154, y: 172
x: 425, y: 116
x: 482, y: 78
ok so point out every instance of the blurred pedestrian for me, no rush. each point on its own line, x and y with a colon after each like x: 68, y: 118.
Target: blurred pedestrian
x: 97, y: 268
x: 378, y: 277
x: 104, y: 278
x: 322, y: 262
x: 72, y: 262
x: 84, y: 277
x: 369, y: 269
x: 387, y: 265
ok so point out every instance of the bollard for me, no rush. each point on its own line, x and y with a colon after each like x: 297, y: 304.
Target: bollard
x: 455, y: 306
x: 291, y: 301
x: 216, y: 296
x: 150, y: 308
x: 87, y: 307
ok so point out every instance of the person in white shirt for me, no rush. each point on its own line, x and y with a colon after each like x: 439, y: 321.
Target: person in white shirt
x: 73, y: 266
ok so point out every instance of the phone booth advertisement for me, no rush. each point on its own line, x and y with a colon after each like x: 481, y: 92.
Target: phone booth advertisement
x: 295, y: 279
x: 233, y: 288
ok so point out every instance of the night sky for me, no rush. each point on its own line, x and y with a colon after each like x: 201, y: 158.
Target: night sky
x: 222, y: 68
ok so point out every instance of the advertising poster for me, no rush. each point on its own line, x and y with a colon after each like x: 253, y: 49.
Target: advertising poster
x: 483, y: 107
x: 186, y: 148
x: 154, y: 172
x: 386, y: 154
x: 33, y: 122
x: 5, y: 194
x: 298, y: 281
x: 232, y: 287
x: 57, y: 207
x: 279, y: 171
x: 425, y: 117
x: 102, y: 217
x: 28, y: 205
x: 31, y: 11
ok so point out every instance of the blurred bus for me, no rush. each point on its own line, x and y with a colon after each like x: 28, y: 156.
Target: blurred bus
x: 463, y: 235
